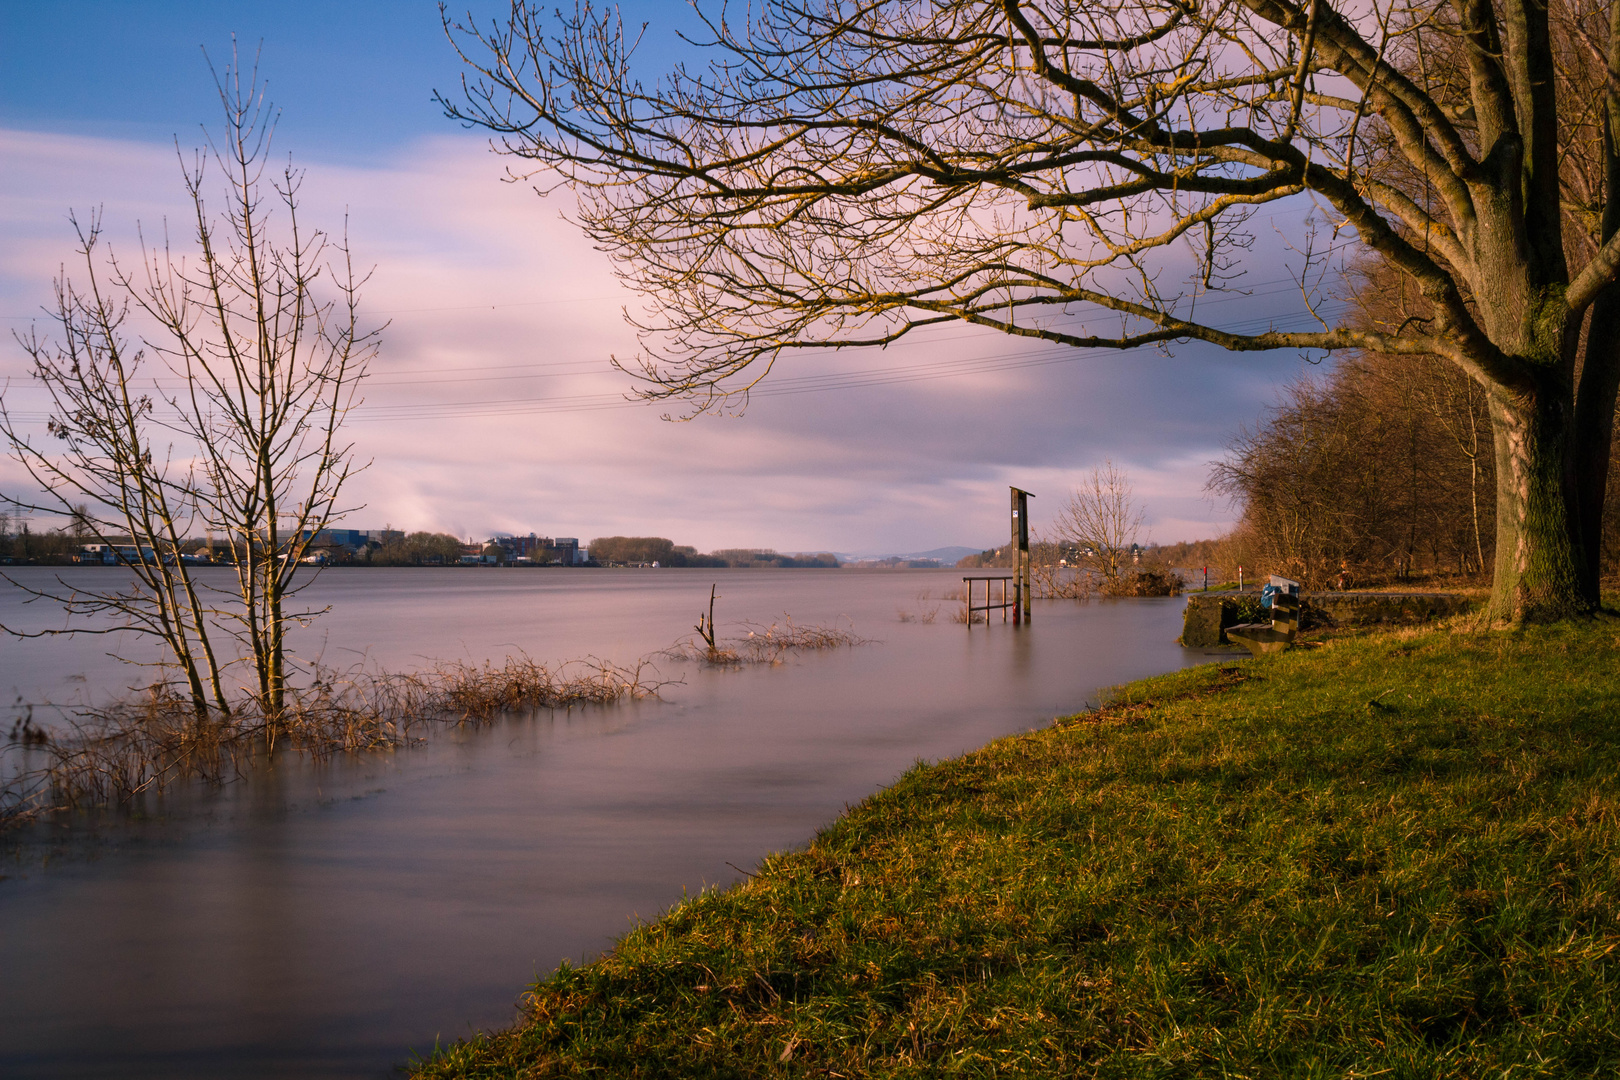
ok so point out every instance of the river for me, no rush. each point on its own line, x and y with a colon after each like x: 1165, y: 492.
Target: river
x: 331, y: 919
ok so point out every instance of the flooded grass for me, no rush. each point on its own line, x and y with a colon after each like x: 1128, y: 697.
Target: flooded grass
x: 478, y: 694
x: 111, y: 756
x: 927, y: 609
x: 114, y: 755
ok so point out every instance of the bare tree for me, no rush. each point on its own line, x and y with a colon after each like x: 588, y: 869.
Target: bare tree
x: 1056, y: 572
x: 265, y: 330
x: 258, y: 335
x: 103, y: 454
x: 1370, y: 471
x: 847, y: 171
x: 1313, y: 482
x: 1101, y: 522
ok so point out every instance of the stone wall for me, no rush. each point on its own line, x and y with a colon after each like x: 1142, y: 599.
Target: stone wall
x: 1209, y: 614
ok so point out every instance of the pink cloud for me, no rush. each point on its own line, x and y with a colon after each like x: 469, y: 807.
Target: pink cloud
x: 493, y: 407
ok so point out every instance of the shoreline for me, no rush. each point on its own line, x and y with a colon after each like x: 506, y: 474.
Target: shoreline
x: 1385, y: 851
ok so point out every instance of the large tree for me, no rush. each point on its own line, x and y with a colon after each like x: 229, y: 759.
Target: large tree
x: 1081, y: 171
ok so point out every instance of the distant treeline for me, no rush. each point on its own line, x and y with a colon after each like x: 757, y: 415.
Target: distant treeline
x: 1379, y: 471
x: 415, y: 549
x: 20, y: 543
x: 646, y: 550
x: 1188, y: 553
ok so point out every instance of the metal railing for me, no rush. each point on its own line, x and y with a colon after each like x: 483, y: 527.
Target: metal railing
x: 1006, y: 604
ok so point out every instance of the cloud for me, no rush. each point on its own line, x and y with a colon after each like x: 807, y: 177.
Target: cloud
x: 493, y: 406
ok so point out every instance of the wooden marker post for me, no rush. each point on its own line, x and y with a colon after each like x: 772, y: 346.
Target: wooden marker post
x: 1020, y: 543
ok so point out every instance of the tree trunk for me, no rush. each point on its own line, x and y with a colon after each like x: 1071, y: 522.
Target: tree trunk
x: 1539, y: 563
x: 275, y: 626
x: 1594, y: 432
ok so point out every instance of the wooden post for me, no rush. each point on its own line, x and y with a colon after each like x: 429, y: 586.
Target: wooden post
x: 1020, y: 544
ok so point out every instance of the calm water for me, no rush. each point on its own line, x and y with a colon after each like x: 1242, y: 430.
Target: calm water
x: 328, y: 921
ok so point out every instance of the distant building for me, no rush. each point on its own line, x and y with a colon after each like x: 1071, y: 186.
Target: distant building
x: 114, y: 554
x: 542, y: 550
x: 568, y: 552
x: 525, y: 547
x: 353, y: 539
x: 347, y: 543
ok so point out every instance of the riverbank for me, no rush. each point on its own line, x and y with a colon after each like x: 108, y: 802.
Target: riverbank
x: 1390, y: 853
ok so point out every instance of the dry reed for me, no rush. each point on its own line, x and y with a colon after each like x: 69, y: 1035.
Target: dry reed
x: 111, y: 756
x: 761, y: 644
x: 925, y: 615
x: 480, y: 693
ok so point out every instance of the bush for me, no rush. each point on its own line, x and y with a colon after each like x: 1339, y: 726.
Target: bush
x: 1144, y: 583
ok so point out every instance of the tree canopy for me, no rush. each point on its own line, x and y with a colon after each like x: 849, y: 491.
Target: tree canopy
x: 845, y: 172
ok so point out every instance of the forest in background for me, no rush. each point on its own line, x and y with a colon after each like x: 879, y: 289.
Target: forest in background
x: 1380, y: 471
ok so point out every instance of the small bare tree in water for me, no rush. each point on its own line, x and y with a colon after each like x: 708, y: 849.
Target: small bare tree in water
x: 1101, y: 521
x: 261, y: 329
x: 104, y: 466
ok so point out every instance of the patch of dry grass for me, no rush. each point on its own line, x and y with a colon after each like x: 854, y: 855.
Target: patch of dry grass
x: 927, y: 609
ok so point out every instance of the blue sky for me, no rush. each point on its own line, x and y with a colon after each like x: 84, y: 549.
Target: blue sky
x: 485, y: 411
x: 356, y: 77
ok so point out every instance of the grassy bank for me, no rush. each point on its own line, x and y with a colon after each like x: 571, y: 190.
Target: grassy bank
x: 1389, y: 855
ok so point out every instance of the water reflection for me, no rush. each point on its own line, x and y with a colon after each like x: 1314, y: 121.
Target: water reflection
x: 322, y: 919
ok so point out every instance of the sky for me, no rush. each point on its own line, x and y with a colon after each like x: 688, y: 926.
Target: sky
x: 492, y: 406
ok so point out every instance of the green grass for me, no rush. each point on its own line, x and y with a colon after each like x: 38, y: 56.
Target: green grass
x: 1390, y: 855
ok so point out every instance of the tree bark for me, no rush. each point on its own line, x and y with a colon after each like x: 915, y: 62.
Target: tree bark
x: 1540, y: 567
x: 1593, y: 435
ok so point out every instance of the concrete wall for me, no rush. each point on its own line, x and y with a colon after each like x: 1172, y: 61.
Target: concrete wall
x: 1209, y: 614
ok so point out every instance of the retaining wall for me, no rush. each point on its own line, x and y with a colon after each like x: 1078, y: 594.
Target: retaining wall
x: 1209, y: 614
